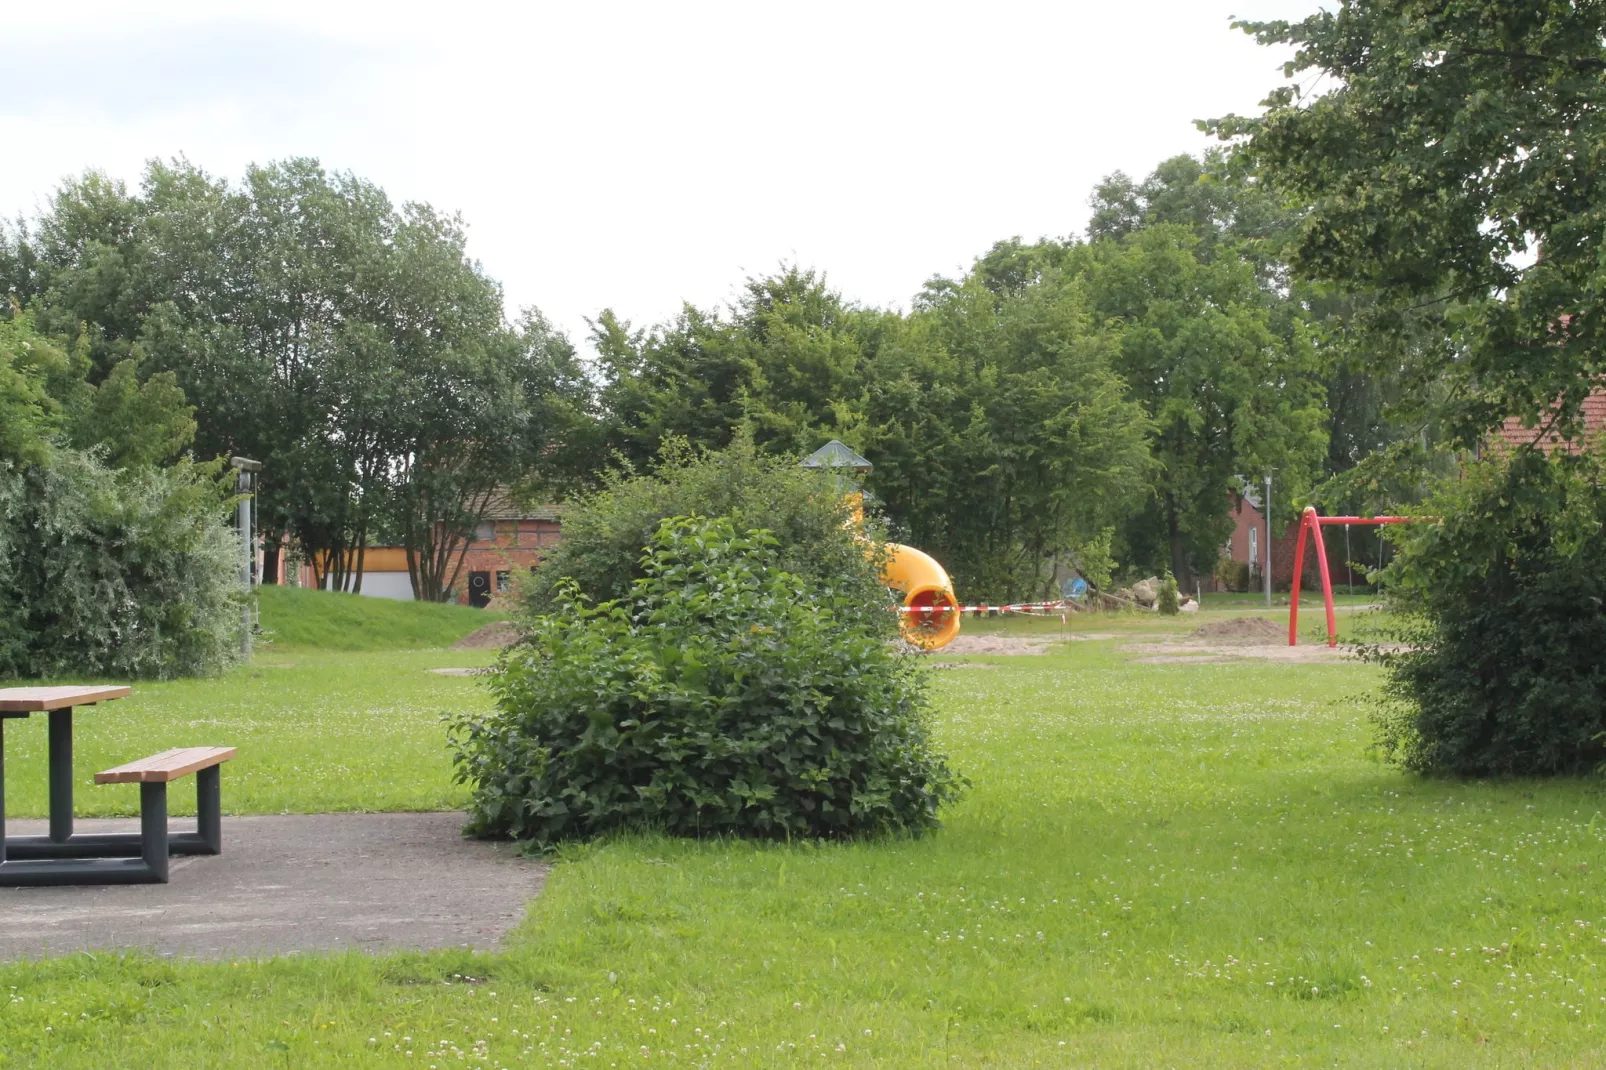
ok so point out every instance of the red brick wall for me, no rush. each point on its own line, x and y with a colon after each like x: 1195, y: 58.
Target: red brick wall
x: 513, y: 546
x: 1245, y: 516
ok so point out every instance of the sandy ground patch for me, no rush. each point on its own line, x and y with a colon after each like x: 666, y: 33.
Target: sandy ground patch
x: 997, y: 644
x: 497, y: 634
x: 1242, y: 629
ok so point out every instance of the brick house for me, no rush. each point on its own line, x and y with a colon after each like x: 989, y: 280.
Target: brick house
x: 510, y: 539
x: 1244, y: 546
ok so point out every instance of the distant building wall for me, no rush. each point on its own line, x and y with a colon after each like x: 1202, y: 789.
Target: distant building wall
x: 1247, y: 516
x: 499, y: 549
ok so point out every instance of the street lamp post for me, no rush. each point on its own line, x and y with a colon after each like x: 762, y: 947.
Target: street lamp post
x: 1267, y: 518
x: 245, y: 483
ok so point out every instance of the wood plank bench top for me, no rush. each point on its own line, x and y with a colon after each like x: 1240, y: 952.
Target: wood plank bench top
x: 41, y: 699
x: 166, y: 766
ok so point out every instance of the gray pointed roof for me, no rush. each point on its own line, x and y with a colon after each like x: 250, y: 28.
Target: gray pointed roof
x: 835, y: 455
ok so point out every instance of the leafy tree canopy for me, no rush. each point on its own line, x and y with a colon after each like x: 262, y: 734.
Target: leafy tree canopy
x: 1449, y: 155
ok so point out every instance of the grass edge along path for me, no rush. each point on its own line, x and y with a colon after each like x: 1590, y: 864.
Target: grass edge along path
x: 1158, y: 864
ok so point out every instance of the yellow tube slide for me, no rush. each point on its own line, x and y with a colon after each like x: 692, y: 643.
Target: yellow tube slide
x: 927, y: 591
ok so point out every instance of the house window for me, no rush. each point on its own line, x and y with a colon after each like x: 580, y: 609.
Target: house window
x: 1254, y: 550
x: 485, y: 531
x: 503, y: 579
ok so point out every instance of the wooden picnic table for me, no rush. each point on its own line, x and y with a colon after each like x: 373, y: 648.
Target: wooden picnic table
x: 60, y: 844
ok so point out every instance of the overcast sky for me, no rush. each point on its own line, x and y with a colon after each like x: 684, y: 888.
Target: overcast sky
x: 635, y: 156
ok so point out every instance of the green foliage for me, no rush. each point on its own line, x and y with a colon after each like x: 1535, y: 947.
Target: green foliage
x: 133, y: 422
x: 1451, y: 142
x: 1233, y: 575
x: 1004, y: 442
x: 349, y: 344
x: 1505, y: 603
x: 1169, y: 602
x: 109, y: 565
x: 296, y: 619
x: 116, y: 573
x: 604, y: 531
x: 724, y: 696
x: 30, y: 417
x: 1231, y: 390
x: 1001, y: 438
x: 46, y: 394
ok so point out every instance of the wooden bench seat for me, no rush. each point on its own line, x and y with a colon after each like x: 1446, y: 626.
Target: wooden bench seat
x: 153, y: 774
x: 166, y: 766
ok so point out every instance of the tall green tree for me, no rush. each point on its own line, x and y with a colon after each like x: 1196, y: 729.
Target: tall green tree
x: 350, y: 345
x: 1004, y: 443
x: 1229, y: 395
x: 1450, y: 166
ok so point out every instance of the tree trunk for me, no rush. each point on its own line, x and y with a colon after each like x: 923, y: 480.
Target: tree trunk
x: 1179, y: 556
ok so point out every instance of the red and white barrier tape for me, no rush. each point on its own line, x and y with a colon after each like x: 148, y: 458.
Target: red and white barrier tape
x: 990, y: 611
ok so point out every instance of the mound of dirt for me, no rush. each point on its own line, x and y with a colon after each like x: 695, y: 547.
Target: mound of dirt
x: 1242, y: 629
x: 495, y: 635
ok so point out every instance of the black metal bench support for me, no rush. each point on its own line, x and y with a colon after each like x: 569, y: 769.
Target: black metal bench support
x: 149, y: 867
x: 207, y: 839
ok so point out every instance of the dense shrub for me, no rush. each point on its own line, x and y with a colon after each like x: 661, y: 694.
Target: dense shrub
x: 1169, y: 601
x: 725, y: 695
x: 115, y: 572
x: 603, y: 532
x: 1232, y: 575
x: 1504, y: 609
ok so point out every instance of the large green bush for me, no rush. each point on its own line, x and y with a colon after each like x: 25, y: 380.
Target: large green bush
x: 725, y: 695
x: 105, y: 572
x: 805, y: 510
x: 113, y: 562
x: 1501, y: 669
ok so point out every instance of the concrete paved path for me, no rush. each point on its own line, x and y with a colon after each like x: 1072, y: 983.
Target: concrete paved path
x: 312, y: 882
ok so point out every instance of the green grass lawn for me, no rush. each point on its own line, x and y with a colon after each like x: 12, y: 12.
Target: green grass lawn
x: 1156, y: 865
x: 294, y: 619
x: 316, y: 732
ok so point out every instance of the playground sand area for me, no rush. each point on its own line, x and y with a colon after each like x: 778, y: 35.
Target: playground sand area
x: 1237, y: 639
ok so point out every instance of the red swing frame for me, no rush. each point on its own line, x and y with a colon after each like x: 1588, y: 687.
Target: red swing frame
x: 1310, y: 523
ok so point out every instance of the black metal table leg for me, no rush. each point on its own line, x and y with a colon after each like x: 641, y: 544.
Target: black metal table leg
x: 209, y: 809
x: 61, y: 775
x: 2, y: 790
x: 153, y: 829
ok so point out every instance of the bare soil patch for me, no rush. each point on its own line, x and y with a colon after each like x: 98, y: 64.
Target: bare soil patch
x: 460, y: 672
x: 998, y: 644
x: 495, y: 635
x: 1242, y: 629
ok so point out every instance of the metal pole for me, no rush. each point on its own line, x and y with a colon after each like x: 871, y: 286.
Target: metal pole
x: 1349, y: 562
x: 1268, y: 538
x: 242, y: 521
x: 60, y: 774
x: 2, y: 789
x: 245, y: 483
